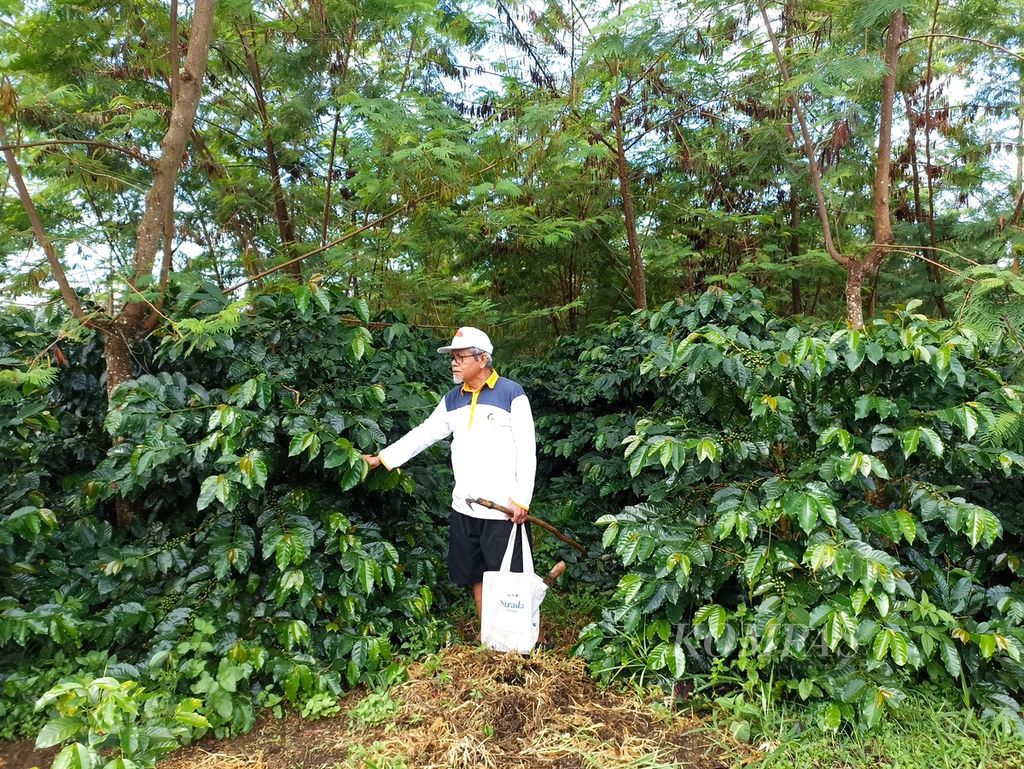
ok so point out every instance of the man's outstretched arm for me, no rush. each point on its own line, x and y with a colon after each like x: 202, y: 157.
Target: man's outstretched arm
x: 436, y: 427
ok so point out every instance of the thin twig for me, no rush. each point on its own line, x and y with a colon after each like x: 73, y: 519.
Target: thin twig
x: 153, y: 307
x: 908, y: 251
x: 129, y: 151
x: 347, y: 236
x: 936, y: 249
x: 965, y: 39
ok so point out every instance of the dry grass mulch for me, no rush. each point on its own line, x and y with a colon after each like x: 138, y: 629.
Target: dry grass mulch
x: 470, y: 708
x: 465, y: 708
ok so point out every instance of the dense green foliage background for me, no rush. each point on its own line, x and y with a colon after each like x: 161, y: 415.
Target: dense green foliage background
x: 832, y: 516
x: 258, y: 571
x: 472, y: 160
x: 757, y: 267
x: 773, y: 511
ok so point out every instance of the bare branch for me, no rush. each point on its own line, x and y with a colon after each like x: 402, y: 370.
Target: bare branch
x: 131, y: 152
x: 883, y: 223
x: 637, y: 274
x: 814, y: 171
x: 70, y: 297
x: 166, y: 263
x: 965, y: 39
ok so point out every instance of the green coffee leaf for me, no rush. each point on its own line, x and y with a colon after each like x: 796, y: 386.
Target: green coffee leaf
x: 59, y: 730
x: 207, y: 492
x: 75, y: 756
x: 715, y: 617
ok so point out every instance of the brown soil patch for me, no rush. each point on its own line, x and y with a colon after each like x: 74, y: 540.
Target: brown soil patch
x: 23, y: 755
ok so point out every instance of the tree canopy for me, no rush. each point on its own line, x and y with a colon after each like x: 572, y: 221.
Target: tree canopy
x: 543, y: 163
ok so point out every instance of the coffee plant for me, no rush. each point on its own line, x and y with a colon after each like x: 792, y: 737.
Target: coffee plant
x: 832, y: 516
x: 587, y: 394
x: 771, y: 510
x: 262, y: 569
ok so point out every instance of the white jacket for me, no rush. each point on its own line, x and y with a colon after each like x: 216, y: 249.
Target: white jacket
x: 494, y: 452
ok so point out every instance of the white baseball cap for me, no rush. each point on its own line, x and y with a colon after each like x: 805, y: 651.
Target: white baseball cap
x: 467, y: 337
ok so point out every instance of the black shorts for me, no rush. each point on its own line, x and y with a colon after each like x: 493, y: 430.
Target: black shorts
x: 477, y: 545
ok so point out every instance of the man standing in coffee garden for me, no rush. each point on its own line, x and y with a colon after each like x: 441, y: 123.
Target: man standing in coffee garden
x: 493, y: 453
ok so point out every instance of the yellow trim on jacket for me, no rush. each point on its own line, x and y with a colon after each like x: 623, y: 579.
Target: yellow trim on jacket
x: 489, y: 382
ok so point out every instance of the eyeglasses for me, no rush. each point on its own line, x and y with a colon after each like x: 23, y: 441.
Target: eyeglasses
x: 460, y: 358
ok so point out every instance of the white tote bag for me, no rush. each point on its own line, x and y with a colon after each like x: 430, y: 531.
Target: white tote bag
x: 510, y: 610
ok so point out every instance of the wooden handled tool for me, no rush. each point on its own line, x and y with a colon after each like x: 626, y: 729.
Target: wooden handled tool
x: 536, y: 521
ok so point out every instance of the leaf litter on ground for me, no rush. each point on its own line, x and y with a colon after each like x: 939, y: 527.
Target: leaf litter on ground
x: 468, y: 707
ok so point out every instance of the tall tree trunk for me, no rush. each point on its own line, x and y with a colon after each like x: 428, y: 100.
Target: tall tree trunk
x: 637, y: 275
x: 795, y: 299
x: 172, y: 146
x: 940, y: 300
x: 817, y: 296
x: 929, y: 255
x: 118, y: 356
x: 285, y: 224
x: 174, y: 60
x: 326, y: 218
x: 813, y: 170
x: 871, y: 264
x: 856, y: 269
x: 873, y: 296
x: 854, y: 299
